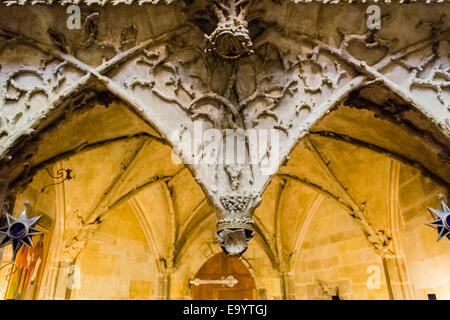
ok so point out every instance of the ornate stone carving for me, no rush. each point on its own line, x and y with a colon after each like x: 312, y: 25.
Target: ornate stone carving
x: 235, y: 223
x: 235, y: 204
x: 235, y: 226
x: 231, y: 40
x: 285, y: 85
x: 234, y: 241
x: 382, y: 243
x: 144, y: 2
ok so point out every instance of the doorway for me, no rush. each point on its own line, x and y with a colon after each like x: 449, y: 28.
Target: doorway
x: 223, y: 278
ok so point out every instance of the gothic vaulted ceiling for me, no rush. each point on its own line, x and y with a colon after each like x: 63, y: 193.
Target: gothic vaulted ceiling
x: 135, y: 81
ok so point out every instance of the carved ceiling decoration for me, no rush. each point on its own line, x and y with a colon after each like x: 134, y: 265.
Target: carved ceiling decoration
x: 153, y: 2
x: 231, y: 38
x: 300, y: 70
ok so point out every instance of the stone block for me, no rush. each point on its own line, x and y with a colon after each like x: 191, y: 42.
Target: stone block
x: 139, y: 289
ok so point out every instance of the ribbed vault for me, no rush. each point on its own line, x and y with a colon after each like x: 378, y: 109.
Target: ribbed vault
x: 362, y: 116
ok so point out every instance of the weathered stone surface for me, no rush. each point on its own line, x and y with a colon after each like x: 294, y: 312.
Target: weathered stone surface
x: 362, y: 119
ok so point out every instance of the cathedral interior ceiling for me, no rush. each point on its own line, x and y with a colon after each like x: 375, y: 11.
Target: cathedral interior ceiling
x: 135, y: 168
x: 106, y: 99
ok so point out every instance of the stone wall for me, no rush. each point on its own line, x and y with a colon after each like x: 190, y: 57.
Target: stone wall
x: 335, y: 255
x: 426, y: 259
x: 117, y: 100
x: 116, y: 262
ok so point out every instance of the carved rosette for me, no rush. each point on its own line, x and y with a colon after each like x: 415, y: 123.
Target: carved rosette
x: 230, y: 40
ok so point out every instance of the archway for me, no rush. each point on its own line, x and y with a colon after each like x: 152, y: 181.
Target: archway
x: 348, y: 191
x: 124, y: 192
x: 223, y: 278
x: 349, y: 206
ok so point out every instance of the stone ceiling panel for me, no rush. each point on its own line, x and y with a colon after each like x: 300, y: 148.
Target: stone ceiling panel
x: 94, y: 171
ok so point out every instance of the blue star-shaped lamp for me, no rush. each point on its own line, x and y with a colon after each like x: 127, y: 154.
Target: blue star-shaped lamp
x: 19, y: 231
x: 442, y: 224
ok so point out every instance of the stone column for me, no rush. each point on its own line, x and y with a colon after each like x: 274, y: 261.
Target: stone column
x: 401, y: 286
x: 164, y: 286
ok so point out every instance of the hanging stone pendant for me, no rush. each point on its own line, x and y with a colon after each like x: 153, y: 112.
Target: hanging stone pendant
x: 235, y: 225
x: 230, y: 40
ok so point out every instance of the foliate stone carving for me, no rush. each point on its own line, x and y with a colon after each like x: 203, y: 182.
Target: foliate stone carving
x: 46, y: 79
x: 286, y: 85
x: 235, y: 204
x: 437, y: 73
x: 234, y: 175
x: 235, y: 223
x: 154, y: 2
x: 382, y: 243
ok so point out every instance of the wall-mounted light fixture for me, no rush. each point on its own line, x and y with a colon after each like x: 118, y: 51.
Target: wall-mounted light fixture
x: 442, y: 223
x: 63, y: 174
x: 19, y: 231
